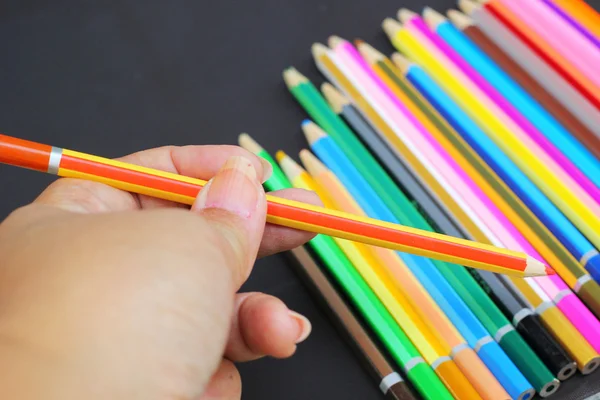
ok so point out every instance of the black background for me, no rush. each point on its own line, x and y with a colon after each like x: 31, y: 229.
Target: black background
x: 114, y: 77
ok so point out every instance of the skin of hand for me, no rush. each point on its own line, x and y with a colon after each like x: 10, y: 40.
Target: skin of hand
x: 110, y: 295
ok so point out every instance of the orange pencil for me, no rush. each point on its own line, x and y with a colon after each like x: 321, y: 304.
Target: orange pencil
x: 289, y: 213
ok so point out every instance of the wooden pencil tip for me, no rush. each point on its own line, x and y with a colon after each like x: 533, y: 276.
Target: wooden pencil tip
x: 433, y: 18
x: 467, y: 6
x: 313, y: 165
x: 280, y: 155
x: 535, y: 267
x: 391, y: 27
x: 318, y: 50
x: 334, y: 97
x: 405, y: 15
x: 290, y: 168
x: 460, y: 20
x: 358, y: 42
x: 333, y: 41
x: 369, y: 53
x: 292, y: 77
x: 401, y: 62
x: 312, y: 131
x: 245, y: 141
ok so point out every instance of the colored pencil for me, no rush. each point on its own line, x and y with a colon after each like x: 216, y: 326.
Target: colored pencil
x: 573, y: 273
x: 582, y: 13
x: 67, y: 163
x: 560, y: 368
x: 445, y: 297
x: 542, y: 120
x: 495, y: 323
x: 522, y: 131
x: 391, y: 383
x: 559, y: 35
x: 432, y: 346
x: 510, y: 17
x: 546, y: 76
x: 527, y: 82
x: 380, y: 69
x: 473, y: 368
x: 574, y: 23
x: 584, y: 218
x: 362, y: 297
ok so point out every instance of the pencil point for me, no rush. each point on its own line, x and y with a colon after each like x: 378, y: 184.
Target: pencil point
x: 535, y: 267
x: 318, y: 50
x: 290, y: 168
x: 358, y: 42
x: 401, y: 62
x: 391, y: 27
x: 460, y: 20
x: 306, y: 122
x: 369, y: 53
x: 405, y: 15
x: 280, y: 155
x: 292, y: 77
x: 312, y: 132
x: 467, y: 6
x: 313, y: 165
x: 334, y: 97
x: 245, y: 141
x: 335, y: 41
x: 433, y: 18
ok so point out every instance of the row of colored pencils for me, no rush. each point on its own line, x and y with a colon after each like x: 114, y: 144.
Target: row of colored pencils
x: 484, y: 126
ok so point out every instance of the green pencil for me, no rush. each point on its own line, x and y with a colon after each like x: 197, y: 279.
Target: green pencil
x: 374, y: 313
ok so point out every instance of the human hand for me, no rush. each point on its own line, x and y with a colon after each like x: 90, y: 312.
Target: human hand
x: 107, y: 294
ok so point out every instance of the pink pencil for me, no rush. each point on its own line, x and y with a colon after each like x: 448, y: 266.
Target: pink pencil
x: 542, y: 145
x: 560, y: 35
x: 485, y: 98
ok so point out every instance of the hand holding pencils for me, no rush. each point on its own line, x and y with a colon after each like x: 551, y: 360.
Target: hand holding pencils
x: 293, y: 214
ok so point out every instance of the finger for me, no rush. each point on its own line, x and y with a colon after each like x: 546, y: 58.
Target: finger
x: 234, y: 205
x: 225, y: 384
x: 264, y: 326
x: 201, y: 162
x: 278, y: 238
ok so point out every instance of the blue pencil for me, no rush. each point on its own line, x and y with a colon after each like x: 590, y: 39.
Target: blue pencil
x: 529, y: 107
x: 440, y: 290
x: 538, y: 203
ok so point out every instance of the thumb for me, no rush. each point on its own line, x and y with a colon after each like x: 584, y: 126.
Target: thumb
x: 233, y: 202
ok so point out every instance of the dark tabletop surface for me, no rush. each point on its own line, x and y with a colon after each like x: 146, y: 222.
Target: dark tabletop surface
x: 114, y: 77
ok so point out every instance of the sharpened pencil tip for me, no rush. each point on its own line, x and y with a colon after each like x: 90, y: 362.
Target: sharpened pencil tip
x: 313, y: 132
x: 245, y: 141
x: 391, y: 27
x: 335, y: 41
x: 311, y: 163
x: 318, y: 49
x: 280, y: 155
x: 535, y: 267
x: 460, y: 20
x: 550, y: 271
x: 306, y: 122
x: 468, y: 6
x: 432, y: 17
x: 405, y: 15
x: 292, y: 77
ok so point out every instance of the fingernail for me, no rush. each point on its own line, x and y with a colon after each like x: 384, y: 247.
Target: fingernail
x: 267, y: 169
x: 304, y: 325
x: 234, y: 188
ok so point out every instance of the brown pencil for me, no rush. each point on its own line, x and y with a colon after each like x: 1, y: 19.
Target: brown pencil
x: 527, y: 82
x: 390, y: 382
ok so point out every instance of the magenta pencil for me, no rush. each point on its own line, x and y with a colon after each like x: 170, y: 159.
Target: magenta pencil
x: 526, y: 132
x: 560, y: 35
x: 574, y: 23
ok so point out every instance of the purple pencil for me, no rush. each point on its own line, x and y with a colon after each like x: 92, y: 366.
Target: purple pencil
x: 413, y: 22
x: 580, y: 28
